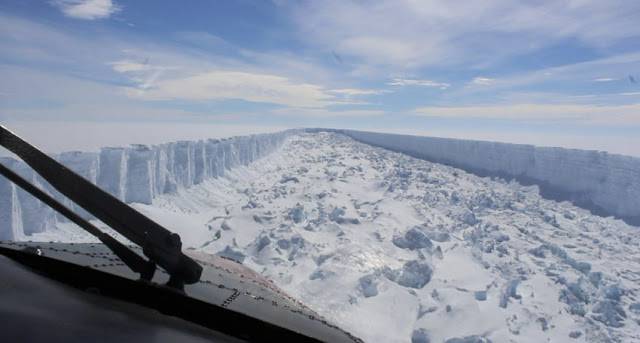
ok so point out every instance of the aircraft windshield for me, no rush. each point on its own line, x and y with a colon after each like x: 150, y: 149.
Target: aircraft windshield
x: 410, y: 171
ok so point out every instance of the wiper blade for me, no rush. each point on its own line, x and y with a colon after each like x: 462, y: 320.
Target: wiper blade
x: 128, y: 256
x: 159, y: 244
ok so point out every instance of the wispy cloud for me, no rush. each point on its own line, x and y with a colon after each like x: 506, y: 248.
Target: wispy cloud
x: 412, y: 34
x: 557, y: 79
x: 143, y: 74
x: 604, y: 79
x: 87, y: 9
x: 418, y: 82
x: 222, y: 84
x: 356, y: 96
x: 358, y: 91
x: 324, y: 113
x: 140, y: 73
x: 611, y: 114
x: 126, y: 66
x: 482, y: 81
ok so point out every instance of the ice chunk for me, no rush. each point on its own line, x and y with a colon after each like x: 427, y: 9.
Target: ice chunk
x: 231, y: 254
x: 225, y: 226
x: 595, y: 278
x: 583, y: 267
x: 610, y: 313
x: 283, y: 244
x: 480, y: 295
x: 509, y: 291
x: 368, y: 285
x: 413, y: 239
x: 420, y: 336
x: 297, y: 214
x: 469, y: 339
x: 438, y: 236
x: 292, y: 179
x: 576, y: 297
x: 415, y: 274
x: 468, y: 218
x: 337, y: 215
x: 262, y: 243
x: 320, y: 274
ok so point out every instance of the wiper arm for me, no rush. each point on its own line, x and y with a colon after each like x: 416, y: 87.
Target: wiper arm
x: 160, y: 245
x: 145, y: 268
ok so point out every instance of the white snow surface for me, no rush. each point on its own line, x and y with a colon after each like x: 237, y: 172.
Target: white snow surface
x: 397, y: 249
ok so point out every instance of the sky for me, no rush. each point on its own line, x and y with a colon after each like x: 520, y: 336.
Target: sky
x: 561, y: 73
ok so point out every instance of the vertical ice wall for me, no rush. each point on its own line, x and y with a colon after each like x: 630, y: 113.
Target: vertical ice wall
x: 10, y: 211
x: 214, y: 158
x: 607, y: 184
x: 201, y: 170
x: 86, y: 164
x: 28, y: 209
x: 183, y: 163
x: 139, y: 182
x: 113, y: 171
x: 134, y: 174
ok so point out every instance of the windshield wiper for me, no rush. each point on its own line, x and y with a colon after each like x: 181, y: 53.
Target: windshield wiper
x: 160, y: 245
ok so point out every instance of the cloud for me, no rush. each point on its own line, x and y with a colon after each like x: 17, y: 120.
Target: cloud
x: 355, y: 96
x: 47, y: 95
x: 224, y: 84
x: 409, y: 34
x: 395, y: 51
x: 143, y: 74
x: 604, y: 79
x: 126, y: 66
x: 87, y: 9
x: 113, y: 73
x: 482, y: 81
x: 558, y: 81
x: 324, y: 113
x: 416, y: 82
x: 357, y: 91
x: 611, y: 114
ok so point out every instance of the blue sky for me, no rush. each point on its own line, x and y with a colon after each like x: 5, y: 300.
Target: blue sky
x: 543, y: 72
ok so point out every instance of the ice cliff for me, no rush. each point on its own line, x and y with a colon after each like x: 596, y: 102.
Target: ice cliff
x: 607, y: 184
x: 133, y: 174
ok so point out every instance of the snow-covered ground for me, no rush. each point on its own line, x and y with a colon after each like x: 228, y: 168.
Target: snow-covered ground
x: 397, y: 249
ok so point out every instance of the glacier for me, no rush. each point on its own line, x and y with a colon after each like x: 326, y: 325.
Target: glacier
x: 134, y: 174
